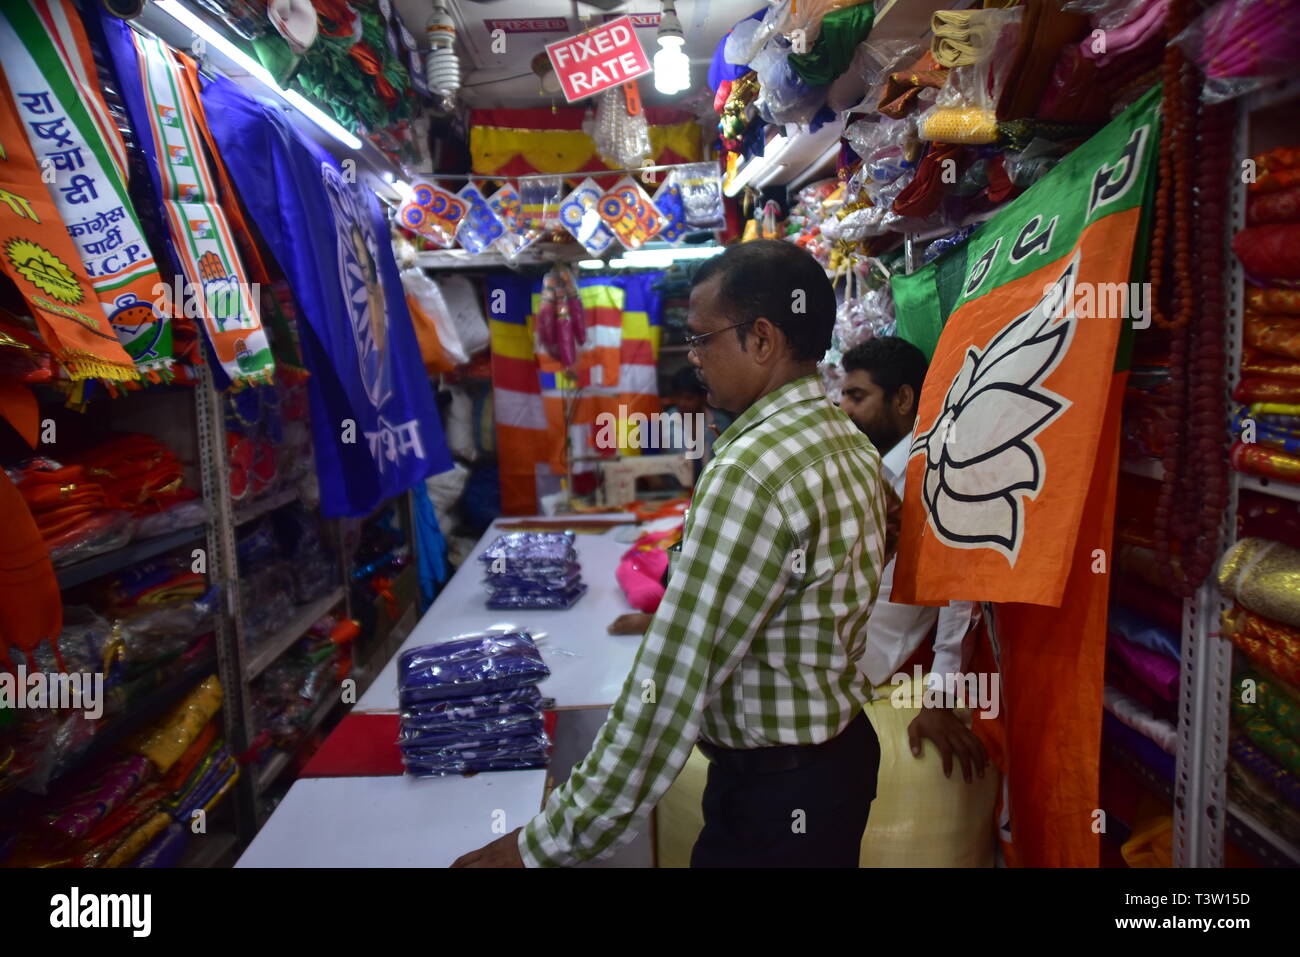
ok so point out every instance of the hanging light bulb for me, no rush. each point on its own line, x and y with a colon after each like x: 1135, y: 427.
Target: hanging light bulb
x: 672, y: 67
x: 441, y: 68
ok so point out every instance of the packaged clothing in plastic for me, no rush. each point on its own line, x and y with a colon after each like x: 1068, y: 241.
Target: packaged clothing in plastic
x: 474, y: 709
x: 505, y: 730
x: 469, y: 665
x: 541, y: 552
x: 548, y: 599
x: 519, y: 232
x: 580, y: 215
x: 668, y: 200
x: 701, y: 189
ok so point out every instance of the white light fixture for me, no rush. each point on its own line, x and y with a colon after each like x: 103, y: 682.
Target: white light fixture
x: 178, y: 12
x: 441, y: 68
x: 672, y: 67
x: 651, y: 258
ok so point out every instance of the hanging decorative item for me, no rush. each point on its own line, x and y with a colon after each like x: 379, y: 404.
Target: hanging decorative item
x: 580, y: 215
x: 433, y: 213
x: 561, y: 324
x: 622, y: 134
x: 539, y: 199
x: 701, y: 188
x: 480, y: 227
x: 518, y: 236
x: 668, y: 200
x: 630, y: 213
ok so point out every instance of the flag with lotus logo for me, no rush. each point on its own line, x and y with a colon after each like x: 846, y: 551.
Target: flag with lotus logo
x: 1010, y: 493
x: 1031, y: 309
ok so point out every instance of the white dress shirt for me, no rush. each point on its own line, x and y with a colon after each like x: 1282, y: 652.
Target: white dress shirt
x: 894, y: 631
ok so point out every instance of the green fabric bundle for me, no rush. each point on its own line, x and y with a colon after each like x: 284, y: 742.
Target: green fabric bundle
x: 842, y: 31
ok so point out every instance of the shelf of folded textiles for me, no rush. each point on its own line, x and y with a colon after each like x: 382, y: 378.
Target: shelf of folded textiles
x: 1274, y: 487
x: 96, y: 566
x: 209, y: 850
x: 268, y: 503
x: 1139, y: 754
x: 141, y: 712
x: 1252, y: 835
x: 1147, y: 468
x: 280, y: 642
x: 281, y: 759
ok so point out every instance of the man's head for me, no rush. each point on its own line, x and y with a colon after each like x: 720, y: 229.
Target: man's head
x: 763, y: 311
x: 686, y: 391
x: 882, y: 386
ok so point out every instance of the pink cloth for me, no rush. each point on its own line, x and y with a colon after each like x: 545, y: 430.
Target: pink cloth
x: 1157, y: 672
x: 1131, y: 35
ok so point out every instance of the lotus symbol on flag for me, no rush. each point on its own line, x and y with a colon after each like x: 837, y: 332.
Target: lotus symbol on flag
x: 981, y: 460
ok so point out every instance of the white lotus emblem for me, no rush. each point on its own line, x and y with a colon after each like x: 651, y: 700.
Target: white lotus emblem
x: 981, y: 461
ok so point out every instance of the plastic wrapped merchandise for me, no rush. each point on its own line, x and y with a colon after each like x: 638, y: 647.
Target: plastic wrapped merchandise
x: 783, y: 96
x: 701, y: 189
x: 888, y: 147
x: 1242, y: 44
x: 965, y: 109
x: 469, y: 665
x: 481, y: 227
x: 465, y: 311
x: 581, y: 217
x: 428, y: 295
x: 475, y: 710
x: 522, y: 553
x: 536, y: 597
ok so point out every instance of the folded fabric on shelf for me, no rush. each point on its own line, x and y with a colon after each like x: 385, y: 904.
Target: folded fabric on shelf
x: 1266, y: 299
x: 1270, y: 463
x: 1270, y: 252
x: 1137, y: 717
x: 1286, y: 784
x: 1144, y: 633
x: 1272, y: 699
x: 1267, y: 643
x: 1158, y: 672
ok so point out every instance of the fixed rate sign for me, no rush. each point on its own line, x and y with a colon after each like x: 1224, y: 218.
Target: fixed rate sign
x: 603, y: 57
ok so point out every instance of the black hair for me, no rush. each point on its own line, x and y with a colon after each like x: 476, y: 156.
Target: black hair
x: 686, y: 382
x: 891, y: 362
x: 760, y: 278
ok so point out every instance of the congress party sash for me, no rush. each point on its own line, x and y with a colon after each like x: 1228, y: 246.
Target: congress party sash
x: 1011, y: 415
x: 80, y: 152
x: 38, y: 255
x: 219, y: 294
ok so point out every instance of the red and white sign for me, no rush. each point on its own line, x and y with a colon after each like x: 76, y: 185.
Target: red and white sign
x: 606, y: 56
x: 529, y: 25
x: 638, y: 19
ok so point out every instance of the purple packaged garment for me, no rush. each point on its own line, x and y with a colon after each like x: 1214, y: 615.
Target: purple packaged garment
x: 522, y: 577
x: 532, y: 549
x: 471, y: 665
x: 1157, y: 672
x: 451, y: 734
x: 478, y: 708
x: 439, y: 767
x: 477, y: 747
x: 553, y: 601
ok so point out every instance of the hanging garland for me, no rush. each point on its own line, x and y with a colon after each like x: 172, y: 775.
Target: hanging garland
x: 1188, y: 301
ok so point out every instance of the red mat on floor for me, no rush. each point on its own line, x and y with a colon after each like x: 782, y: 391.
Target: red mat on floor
x: 365, y: 746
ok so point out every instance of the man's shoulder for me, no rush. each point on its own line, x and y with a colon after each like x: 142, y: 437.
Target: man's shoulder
x: 792, y: 441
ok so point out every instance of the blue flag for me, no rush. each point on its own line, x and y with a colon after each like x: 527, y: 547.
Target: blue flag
x: 374, y: 422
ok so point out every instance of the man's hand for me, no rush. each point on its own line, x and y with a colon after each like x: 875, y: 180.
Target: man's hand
x: 951, y: 737
x: 633, y: 623
x: 503, y: 852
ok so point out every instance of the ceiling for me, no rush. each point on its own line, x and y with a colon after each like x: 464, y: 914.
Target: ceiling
x: 505, y: 79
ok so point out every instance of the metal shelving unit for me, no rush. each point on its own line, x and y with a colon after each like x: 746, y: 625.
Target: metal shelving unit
x: 130, y: 554
x: 283, y: 639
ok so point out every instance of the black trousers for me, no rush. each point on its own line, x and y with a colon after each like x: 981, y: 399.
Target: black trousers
x: 811, y: 815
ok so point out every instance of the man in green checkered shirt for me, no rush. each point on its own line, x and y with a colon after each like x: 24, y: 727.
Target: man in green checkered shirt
x: 755, y: 647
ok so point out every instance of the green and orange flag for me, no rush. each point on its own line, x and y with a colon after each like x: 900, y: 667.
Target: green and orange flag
x: 1011, y: 479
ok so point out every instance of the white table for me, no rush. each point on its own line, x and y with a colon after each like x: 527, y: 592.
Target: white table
x: 429, y: 822
x: 393, y: 821
x: 588, y: 665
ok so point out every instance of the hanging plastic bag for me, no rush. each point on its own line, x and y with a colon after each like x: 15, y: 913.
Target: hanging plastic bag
x: 429, y: 298
x: 433, y: 213
x: 701, y: 189
x: 480, y: 227
x: 784, y: 97
x: 965, y: 110
x: 580, y: 215
x: 887, y: 147
x: 668, y: 200
x: 508, y: 206
x: 630, y: 214
x: 539, y: 199
x: 1242, y: 44
x: 622, y: 132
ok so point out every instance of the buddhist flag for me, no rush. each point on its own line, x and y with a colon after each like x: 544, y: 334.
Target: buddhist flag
x: 1010, y: 490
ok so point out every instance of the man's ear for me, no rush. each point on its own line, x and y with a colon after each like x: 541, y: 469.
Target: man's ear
x: 905, y: 400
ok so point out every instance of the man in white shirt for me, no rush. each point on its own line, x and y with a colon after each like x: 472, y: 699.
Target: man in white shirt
x: 881, y: 390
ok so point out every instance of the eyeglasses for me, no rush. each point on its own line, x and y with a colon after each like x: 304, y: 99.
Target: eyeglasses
x: 693, y: 342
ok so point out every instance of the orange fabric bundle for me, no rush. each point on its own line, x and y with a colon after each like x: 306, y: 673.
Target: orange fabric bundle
x: 137, y: 472
x: 1265, y: 642
x: 1276, y: 170
x: 1278, y: 335
x: 1256, y: 363
x: 1264, y: 299
x: 436, y: 360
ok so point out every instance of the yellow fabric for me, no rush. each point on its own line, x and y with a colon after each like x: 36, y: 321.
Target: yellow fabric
x: 964, y: 125
x: 565, y: 151
x: 138, y: 840
x: 918, y: 819
x: 166, y: 741
x: 1151, y: 843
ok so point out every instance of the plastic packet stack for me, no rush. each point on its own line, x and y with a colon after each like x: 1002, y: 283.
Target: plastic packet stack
x: 532, y: 570
x: 472, y: 704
